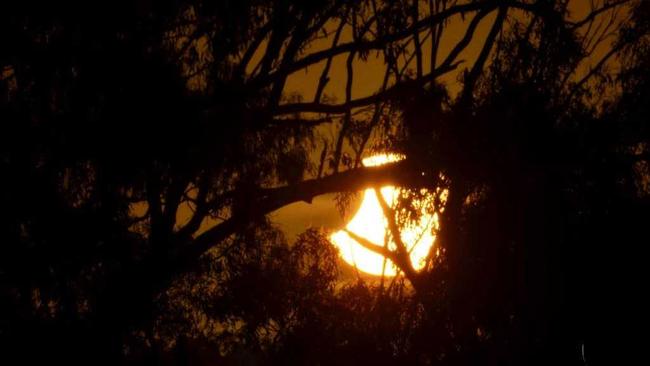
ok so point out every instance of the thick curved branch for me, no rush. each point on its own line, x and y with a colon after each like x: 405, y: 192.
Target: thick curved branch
x: 380, y: 43
x: 402, y: 173
x: 376, y: 44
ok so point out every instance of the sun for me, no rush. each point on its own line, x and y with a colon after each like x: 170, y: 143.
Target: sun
x: 369, y: 222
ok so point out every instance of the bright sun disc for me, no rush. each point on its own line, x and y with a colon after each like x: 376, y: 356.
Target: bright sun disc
x: 369, y: 222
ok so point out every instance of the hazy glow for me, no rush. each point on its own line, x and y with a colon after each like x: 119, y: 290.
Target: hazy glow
x: 369, y: 222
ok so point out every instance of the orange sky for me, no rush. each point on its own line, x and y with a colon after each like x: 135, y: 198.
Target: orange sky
x: 368, y: 75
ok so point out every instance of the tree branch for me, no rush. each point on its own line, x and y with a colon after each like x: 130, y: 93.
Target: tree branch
x: 597, y: 12
x: 324, y: 79
x: 364, y: 101
x: 347, y: 121
x: 402, y: 258
x: 472, y: 76
x: 384, y: 251
x: 380, y: 43
x: 464, y: 42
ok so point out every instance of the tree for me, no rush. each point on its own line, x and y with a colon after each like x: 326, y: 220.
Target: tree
x: 144, y: 138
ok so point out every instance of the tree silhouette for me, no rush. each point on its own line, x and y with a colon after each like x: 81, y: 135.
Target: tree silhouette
x: 144, y: 146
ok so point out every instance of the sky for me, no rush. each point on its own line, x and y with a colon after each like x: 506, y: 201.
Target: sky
x: 368, y: 74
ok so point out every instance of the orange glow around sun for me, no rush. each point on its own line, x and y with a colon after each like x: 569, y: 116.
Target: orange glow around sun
x: 369, y: 222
